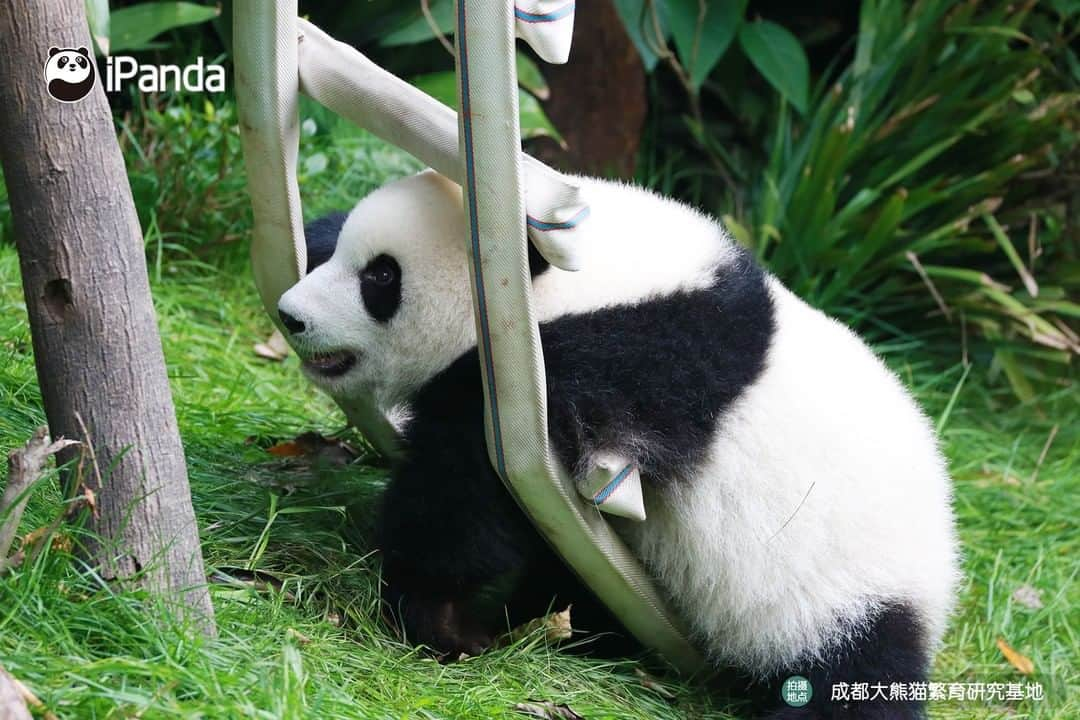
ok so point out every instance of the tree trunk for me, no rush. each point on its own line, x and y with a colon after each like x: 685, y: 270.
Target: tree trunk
x: 96, y: 344
x: 598, y: 99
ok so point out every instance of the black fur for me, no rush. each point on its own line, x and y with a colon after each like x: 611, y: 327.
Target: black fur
x: 538, y: 264
x: 890, y: 650
x: 321, y: 237
x: 651, y: 380
x: 380, y: 287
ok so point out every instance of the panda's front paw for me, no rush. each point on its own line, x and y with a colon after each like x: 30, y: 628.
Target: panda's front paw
x: 446, y: 626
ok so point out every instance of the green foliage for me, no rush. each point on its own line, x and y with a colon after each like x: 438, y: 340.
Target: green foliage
x: 97, y: 15
x: 132, y: 28
x: 187, y: 174
x: 916, y: 174
x: 923, y: 190
x: 777, y: 55
x: 420, y: 29
x: 702, y: 31
x: 295, y: 581
x: 643, y: 25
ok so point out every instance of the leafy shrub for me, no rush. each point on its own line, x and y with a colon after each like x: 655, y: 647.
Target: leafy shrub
x: 929, y: 179
x: 922, y: 168
x: 187, y: 176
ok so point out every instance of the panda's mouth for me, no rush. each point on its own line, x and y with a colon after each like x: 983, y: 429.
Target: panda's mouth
x: 330, y: 365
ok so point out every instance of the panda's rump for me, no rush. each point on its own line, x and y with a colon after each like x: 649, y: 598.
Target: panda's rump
x: 822, y: 500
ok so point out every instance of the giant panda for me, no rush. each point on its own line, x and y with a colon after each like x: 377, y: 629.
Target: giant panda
x: 799, y: 510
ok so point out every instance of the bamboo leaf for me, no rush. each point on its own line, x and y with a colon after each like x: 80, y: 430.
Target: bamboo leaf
x: 133, y: 27
x: 1010, y: 252
x: 419, y: 29
x: 777, y: 55
x: 703, y: 30
x: 637, y: 17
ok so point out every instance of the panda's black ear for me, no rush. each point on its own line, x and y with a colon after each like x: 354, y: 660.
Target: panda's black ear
x: 84, y: 51
x: 53, y: 51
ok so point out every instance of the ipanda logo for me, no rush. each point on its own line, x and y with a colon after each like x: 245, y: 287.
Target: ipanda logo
x: 70, y: 74
x: 198, y: 77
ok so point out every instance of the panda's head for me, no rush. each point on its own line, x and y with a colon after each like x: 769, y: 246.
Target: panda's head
x: 392, y: 306
x: 69, y: 73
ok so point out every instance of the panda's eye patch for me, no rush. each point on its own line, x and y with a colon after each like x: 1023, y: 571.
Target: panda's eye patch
x: 382, y: 271
x: 380, y: 287
x: 81, y: 61
x: 63, y: 59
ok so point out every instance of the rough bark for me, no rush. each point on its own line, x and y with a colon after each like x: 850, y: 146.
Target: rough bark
x: 96, y: 344
x: 598, y: 99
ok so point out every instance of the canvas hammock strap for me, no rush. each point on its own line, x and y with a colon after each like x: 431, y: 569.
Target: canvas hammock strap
x: 507, y: 194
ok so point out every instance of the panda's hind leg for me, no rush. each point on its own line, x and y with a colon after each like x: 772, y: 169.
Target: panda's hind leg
x: 888, y: 658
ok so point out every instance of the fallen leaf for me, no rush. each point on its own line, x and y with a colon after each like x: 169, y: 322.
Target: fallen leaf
x: 91, y: 500
x: 555, y: 627
x: 274, y: 348
x: 546, y: 710
x: 1028, y: 596
x: 323, y: 450
x: 1020, y: 662
x: 290, y: 448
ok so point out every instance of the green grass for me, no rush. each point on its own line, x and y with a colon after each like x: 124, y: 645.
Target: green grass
x: 309, y: 642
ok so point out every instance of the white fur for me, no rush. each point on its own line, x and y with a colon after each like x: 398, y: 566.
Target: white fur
x: 823, y: 495
x: 419, y: 220
x: 635, y: 245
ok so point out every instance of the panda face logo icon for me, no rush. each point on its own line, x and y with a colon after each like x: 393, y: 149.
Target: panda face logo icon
x: 69, y: 73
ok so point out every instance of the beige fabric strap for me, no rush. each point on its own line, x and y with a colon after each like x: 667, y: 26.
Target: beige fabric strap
x: 509, y: 341
x: 339, y: 77
x: 265, y: 55
x: 547, y: 25
x: 264, y: 46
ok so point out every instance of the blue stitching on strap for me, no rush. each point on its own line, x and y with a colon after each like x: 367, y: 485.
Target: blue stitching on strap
x: 565, y: 225
x: 481, y: 297
x: 605, y: 492
x: 544, y: 17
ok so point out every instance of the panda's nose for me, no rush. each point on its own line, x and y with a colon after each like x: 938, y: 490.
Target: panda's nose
x: 294, y: 326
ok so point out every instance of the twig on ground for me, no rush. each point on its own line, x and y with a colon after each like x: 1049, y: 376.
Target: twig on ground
x: 914, y: 260
x: 1042, y: 455
x: 25, y: 466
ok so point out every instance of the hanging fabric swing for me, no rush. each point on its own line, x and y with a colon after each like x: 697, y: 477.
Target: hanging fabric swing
x: 507, y: 194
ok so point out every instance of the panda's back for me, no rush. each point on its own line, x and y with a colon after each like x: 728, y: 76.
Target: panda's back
x: 822, y: 502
